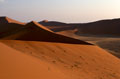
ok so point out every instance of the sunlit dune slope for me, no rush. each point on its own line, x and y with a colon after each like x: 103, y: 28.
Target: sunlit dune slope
x: 77, y: 61
x: 16, y: 65
x: 35, y: 52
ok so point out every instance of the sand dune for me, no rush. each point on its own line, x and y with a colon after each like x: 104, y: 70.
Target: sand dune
x: 52, y: 23
x: 33, y: 51
x: 33, y: 31
x: 37, y: 32
x: 74, y: 61
x: 16, y: 65
x: 101, y: 27
x: 56, y: 26
x: 9, y: 26
x: 5, y: 20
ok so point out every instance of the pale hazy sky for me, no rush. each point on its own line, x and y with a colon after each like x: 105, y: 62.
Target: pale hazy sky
x: 60, y: 10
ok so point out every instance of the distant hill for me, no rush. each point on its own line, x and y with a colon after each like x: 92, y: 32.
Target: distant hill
x: 103, y: 27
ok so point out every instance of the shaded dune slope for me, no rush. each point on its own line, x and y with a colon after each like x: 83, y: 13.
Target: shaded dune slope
x: 33, y: 31
x: 9, y: 26
x: 76, y: 61
x: 5, y: 20
x: 36, y: 32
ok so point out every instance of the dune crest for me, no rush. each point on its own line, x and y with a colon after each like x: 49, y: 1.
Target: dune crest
x: 9, y: 20
x: 36, y: 24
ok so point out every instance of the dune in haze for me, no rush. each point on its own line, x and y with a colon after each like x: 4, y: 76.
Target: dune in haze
x: 109, y: 27
x: 56, y: 26
x: 103, y: 27
x: 52, y: 23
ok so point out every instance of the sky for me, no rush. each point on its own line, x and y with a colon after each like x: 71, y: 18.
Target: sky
x: 70, y: 11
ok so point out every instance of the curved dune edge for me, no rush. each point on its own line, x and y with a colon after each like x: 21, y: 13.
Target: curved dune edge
x: 73, y: 61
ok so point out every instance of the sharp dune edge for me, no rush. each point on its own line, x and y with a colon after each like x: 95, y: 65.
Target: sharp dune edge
x: 29, y: 57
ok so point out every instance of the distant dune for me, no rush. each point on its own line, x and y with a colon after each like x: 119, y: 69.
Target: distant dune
x: 102, y: 27
x: 9, y: 26
x: 33, y: 51
x: 56, y: 26
x: 52, y: 23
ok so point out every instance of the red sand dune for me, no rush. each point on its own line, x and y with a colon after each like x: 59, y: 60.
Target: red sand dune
x: 74, y: 61
x: 39, y: 53
x: 36, y: 32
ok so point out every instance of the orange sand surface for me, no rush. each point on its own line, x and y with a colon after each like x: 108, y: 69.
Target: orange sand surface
x: 71, y: 60
x: 16, y: 65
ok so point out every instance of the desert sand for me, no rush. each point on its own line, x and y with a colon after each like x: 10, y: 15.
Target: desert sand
x: 35, y: 52
x: 74, y: 61
x: 16, y: 65
x: 109, y: 43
